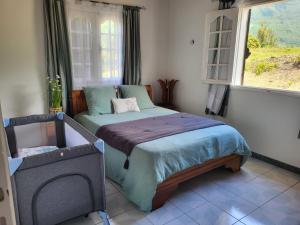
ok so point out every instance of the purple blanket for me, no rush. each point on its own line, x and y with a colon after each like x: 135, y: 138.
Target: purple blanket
x: 125, y: 136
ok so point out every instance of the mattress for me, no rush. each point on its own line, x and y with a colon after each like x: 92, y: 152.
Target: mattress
x: 153, y: 162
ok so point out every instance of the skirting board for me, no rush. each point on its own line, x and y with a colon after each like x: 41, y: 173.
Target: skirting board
x: 276, y: 163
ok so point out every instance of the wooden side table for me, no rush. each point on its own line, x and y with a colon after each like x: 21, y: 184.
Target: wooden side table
x: 172, y: 107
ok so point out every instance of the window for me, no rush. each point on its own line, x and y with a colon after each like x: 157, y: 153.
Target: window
x: 81, y: 49
x: 272, y: 57
x: 111, y: 50
x: 95, y: 33
x: 219, y: 48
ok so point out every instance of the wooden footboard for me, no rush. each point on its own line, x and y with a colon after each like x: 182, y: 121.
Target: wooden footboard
x: 168, y: 187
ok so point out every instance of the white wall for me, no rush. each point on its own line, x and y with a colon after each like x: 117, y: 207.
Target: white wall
x: 23, y: 87
x: 22, y: 67
x: 270, y: 122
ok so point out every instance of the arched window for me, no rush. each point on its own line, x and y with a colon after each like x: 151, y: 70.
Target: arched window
x: 219, y: 46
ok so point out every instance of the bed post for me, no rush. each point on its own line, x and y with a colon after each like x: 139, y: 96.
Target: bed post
x: 234, y: 165
x: 163, y: 193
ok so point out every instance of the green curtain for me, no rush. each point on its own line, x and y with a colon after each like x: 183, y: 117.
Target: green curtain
x: 132, y: 46
x: 58, y: 59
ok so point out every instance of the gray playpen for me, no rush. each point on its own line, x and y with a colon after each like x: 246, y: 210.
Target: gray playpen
x: 53, y: 186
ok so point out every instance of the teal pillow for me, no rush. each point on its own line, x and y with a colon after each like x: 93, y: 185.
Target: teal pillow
x: 98, y: 99
x: 141, y: 94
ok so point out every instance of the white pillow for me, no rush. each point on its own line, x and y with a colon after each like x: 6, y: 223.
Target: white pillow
x: 125, y: 105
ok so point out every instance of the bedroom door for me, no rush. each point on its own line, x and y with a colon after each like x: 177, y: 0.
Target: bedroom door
x: 7, y: 213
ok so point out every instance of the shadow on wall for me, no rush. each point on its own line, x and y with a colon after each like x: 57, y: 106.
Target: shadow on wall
x: 24, y: 100
x: 41, y: 67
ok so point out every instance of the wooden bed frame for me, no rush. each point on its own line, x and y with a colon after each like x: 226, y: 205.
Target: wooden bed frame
x: 78, y: 102
x: 168, y: 187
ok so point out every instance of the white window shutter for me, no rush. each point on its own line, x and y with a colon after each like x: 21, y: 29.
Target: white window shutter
x: 219, y: 46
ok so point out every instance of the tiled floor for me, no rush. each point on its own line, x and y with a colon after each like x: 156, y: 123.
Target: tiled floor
x: 260, y: 194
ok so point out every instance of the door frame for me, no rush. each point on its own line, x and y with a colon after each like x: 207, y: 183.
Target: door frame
x: 7, y: 209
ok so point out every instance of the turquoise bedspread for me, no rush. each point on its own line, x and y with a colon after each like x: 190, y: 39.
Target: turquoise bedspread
x: 152, y: 162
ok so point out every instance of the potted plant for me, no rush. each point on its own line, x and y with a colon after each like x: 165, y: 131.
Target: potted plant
x: 55, y: 95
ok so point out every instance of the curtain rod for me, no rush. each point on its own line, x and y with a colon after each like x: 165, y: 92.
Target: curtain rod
x: 109, y: 3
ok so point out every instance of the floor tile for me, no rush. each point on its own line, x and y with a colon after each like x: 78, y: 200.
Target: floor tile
x: 132, y: 217
x: 257, y: 166
x: 209, y: 178
x: 266, y: 216
x: 288, y: 201
x: 239, y: 223
x: 231, y: 180
x: 95, y: 218
x: 164, y: 214
x: 117, y: 204
x: 296, y: 187
x: 187, y: 200
x: 232, y: 204
x: 208, y: 214
x: 110, y: 188
x: 258, y: 191
x: 284, y: 209
x: 281, y: 176
x: 212, y: 176
x: 182, y: 220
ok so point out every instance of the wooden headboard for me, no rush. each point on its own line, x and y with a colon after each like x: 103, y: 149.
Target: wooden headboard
x: 78, y: 102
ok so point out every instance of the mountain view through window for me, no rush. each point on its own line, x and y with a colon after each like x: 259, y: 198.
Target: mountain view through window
x: 274, y: 46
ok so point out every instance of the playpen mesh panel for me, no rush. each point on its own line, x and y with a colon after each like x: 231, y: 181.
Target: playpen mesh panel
x: 73, y: 137
x: 35, y: 135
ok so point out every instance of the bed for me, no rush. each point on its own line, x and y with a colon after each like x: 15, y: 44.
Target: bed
x: 157, y: 167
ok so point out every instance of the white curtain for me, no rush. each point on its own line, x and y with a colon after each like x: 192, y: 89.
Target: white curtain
x: 96, y: 32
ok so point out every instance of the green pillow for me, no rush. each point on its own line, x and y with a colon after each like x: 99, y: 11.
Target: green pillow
x: 141, y: 94
x: 98, y: 99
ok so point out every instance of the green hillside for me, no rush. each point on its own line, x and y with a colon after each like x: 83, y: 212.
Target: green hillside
x: 283, y: 18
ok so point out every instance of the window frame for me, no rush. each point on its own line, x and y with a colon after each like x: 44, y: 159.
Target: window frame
x: 87, y: 16
x: 96, y: 77
x: 118, y: 51
x: 210, y: 17
x: 240, y: 47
